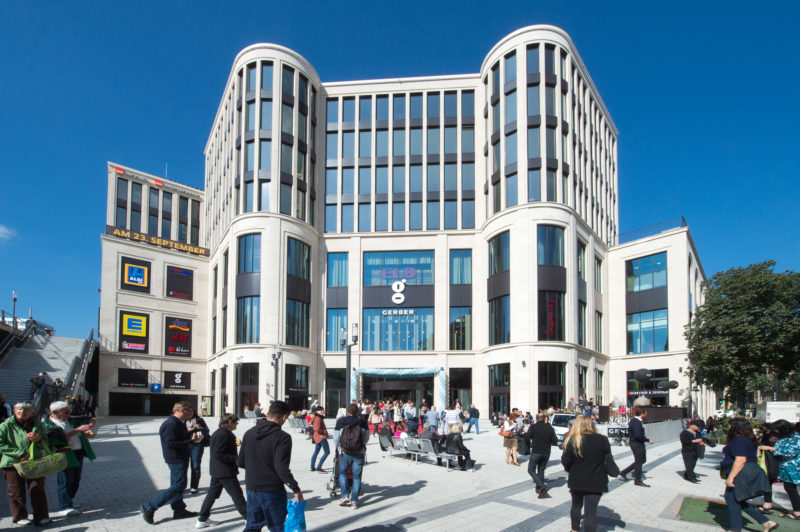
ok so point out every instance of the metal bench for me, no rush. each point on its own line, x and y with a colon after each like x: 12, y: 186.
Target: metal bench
x: 426, y: 448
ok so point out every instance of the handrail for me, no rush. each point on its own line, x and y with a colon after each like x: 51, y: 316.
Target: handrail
x: 79, y: 365
x: 16, y: 341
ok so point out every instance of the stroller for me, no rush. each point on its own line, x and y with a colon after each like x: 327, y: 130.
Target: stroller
x: 333, y: 482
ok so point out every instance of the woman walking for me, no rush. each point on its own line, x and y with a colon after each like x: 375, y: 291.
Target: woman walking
x: 320, y: 438
x: 16, y: 435
x: 510, y: 442
x: 787, y: 452
x: 196, y: 424
x: 584, y: 458
x: 744, y: 479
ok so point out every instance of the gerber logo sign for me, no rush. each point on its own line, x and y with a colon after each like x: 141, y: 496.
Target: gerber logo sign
x: 398, y: 287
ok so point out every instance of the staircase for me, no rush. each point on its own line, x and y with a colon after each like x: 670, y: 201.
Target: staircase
x: 41, y: 352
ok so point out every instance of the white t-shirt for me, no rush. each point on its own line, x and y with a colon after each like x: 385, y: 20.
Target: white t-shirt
x: 451, y: 417
x: 75, y: 441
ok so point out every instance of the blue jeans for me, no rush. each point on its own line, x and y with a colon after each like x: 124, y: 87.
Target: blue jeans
x: 473, y: 421
x: 735, y: 510
x: 174, y: 494
x: 356, y: 462
x: 197, y: 457
x: 266, y: 509
x: 68, y: 482
x: 326, y: 450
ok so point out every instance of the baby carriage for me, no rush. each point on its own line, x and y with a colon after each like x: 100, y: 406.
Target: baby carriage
x: 333, y: 482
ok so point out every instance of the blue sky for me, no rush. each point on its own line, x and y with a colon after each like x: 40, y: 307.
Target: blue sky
x: 704, y: 96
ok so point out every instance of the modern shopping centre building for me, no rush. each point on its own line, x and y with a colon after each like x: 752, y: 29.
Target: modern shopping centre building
x: 462, y: 229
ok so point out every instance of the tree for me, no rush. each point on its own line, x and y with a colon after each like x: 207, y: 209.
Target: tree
x: 746, y: 335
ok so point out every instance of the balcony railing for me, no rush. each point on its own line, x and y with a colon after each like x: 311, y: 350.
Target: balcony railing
x: 650, y: 230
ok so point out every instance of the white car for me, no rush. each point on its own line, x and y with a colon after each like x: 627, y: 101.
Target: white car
x: 725, y: 413
x: 561, y: 424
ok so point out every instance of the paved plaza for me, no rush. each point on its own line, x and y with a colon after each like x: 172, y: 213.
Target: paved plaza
x: 398, y: 494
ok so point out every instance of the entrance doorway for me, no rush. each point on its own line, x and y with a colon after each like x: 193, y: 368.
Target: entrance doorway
x: 334, y: 390
x: 145, y: 404
x: 397, y: 388
x: 500, y: 388
x: 551, y: 385
x: 460, y: 387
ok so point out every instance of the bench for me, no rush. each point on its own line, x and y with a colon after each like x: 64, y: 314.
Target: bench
x: 426, y: 448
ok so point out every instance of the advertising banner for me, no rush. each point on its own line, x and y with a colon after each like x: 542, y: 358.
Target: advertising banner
x: 133, y: 332
x: 135, y: 275
x: 178, y: 380
x: 179, y: 282
x: 131, y: 378
x: 178, y: 337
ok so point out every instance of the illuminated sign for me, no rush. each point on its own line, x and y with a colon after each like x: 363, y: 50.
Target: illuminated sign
x: 130, y: 346
x: 132, y: 378
x: 179, y: 282
x: 179, y: 380
x: 133, y: 325
x: 133, y: 335
x: 135, y: 275
x: 398, y: 273
x: 178, y: 337
x: 398, y: 312
x: 155, y: 241
x: 398, y: 287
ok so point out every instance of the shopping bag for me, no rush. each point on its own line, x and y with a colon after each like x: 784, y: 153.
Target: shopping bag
x: 296, y: 518
x: 42, y: 466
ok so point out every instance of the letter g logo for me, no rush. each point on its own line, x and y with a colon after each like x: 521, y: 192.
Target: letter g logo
x: 398, y: 287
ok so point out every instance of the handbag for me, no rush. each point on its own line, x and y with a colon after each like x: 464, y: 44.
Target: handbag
x: 612, y: 469
x: 505, y: 433
x: 42, y: 466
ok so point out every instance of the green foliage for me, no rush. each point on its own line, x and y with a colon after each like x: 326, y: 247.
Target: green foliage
x: 746, y: 335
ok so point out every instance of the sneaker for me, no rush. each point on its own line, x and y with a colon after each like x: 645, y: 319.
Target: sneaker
x: 194, y: 491
x: 183, y: 514
x: 67, y: 512
x: 23, y: 522
x: 205, y: 524
x: 147, y: 515
x: 344, y: 502
x: 354, y: 505
x: 44, y: 521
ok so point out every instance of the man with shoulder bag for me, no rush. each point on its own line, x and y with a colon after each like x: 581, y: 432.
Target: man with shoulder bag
x: 351, y: 436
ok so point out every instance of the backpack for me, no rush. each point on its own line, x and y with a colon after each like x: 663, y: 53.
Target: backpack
x: 351, y: 440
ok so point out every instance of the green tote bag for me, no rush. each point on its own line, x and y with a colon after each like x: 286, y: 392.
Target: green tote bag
x: 42, y: 466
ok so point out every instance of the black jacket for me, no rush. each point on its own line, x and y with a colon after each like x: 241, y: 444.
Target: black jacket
x: 175, y: 441
x: 265, y: 456
x: 687, y: 447
x: 455, y: 444
x: 474, y: 413
x: 541, y: 436
x: 636, y: 431
x: 428, y: 435
x: 587, y: 473
x: 223, y: 454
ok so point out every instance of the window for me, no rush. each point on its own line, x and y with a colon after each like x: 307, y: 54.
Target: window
x: 550, y: 185
x: 532, y: 59
x: 647, y: 332
x: 511, y: 67
x: 286, y: 199
x: 183, y: 217
x: 467, y: 103
x: 416, y: 106
x: 433, y: 178
x: 348, y: 144
x: 511, y: 148
x: 266, y: 76
x: 534, y: 150
x: 468, y: 214
x: 450, y: 177
x: 152, y: 207
x: 467, y: 140
x: 511, y: 107
x: 249, y: 156
x: 224, y: 328
x: 382, y: 268
x: 398, y: 216
x: 333, y: 110
x: 251, y: 77
x: 122, y: 203
x: 433, y: 105
x: 598, y: 331
x: 364, y: 219
x: 265, y: 160
x: 399, y: 143
x: 415, y: 215
x: 646, y: 273
x: 533, y: 100
x: 406, y: 329
x: 433, y: 140
x: 382, y: 143
x: 511, y: 190
x: 381, y: 217
x: 364, y: 180
x: 364, y: 144
x: 399, y: 107
x: 287, y: 83
x: 551, y: 316
x: 286, y: 119
x: 550, y: 100
x: 347, y: 218
x: 598, y: 274
x: 450, y: 104
x: 336, y: 320
x: 496, y: 78
x: 286, y: 159
x: 348, y: 110
x: 136, y: 207
x: 499, y: 260
x: 166, y: 215
x: 450, y: 140
x: 298, y: 259
x: 581, y: 261
x: 550, y: 250
x: 460, y: 266
x: 549, y: 59
x: 247, y: 316
x: 461, y: 328
x: 365, y: 108
x: 499, y: 320
x: 415, y: 178
x: 331, y: 182
x: 550, y: 143
x: 496, y: 117
x: 347, y: 180
x: 534, y: 185
x: 433, y: 215
x: 382, y: 108
x: 468, y: 176
x: 250, y: 122
x: 296, y: 323
x: 451, y: 214
x: 331, y: 145
x: 249, y: 253
x: 398, y: 179
x: 248, y: 196
x: 581, y: 323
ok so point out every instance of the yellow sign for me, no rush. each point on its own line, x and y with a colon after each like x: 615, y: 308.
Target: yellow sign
x: 134, y: 325
x: 155, y: 241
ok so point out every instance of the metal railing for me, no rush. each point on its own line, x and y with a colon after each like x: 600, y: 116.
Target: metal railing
x: 73, y: 383
x: 650, y: 230
x: 13, y: 340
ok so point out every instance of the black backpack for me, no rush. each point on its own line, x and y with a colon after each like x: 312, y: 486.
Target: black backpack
x: 351, y: 440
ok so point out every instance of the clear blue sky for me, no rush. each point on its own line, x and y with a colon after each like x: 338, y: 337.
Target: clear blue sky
x: 705, y: 97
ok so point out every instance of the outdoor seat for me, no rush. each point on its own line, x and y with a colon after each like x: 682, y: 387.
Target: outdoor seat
x: 249, y: 414
x: 426, y: 446
x: 412, y: 444
x: 389, y: 445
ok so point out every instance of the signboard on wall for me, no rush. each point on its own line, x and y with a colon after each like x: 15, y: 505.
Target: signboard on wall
x: 135, y: 275
x: 133, y: 332
x: 131, y: 378
x: 155, y: 241
x: 178, y: 380
x: 178, y: 337
x: 179, y: 282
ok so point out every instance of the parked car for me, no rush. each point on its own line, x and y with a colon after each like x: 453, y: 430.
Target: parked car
x: 562, y: 423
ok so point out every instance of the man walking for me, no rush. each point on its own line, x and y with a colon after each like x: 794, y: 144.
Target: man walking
x: 175, y: 446
x: 351, y: 436
x: 432, y: 419
x: 541, y: 437
x: 690, y: 446
x: 474, y: 414
x: 637, y: 440
x: 265, y: 456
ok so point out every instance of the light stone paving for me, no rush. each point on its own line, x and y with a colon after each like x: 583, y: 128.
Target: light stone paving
x: 397, y: 495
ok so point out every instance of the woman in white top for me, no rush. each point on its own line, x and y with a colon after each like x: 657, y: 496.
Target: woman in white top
x: 452, y: 417
x: 510, y: 442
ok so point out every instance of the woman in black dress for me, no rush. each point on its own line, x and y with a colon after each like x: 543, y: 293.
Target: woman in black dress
x: 584, y: 458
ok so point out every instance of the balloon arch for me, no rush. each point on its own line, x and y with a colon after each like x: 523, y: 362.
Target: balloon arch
x: 404, y: 372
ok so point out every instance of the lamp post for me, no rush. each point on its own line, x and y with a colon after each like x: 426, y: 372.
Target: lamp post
x: 14, y: 312
x: 276, y: 357
x: 348, y: 345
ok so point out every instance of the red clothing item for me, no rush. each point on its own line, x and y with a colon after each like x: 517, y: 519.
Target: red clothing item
x: 320, y: 432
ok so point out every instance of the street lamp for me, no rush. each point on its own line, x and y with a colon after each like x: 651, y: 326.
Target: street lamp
x: 348, y: 345
x: 276, y: 357
x: 14, y: 312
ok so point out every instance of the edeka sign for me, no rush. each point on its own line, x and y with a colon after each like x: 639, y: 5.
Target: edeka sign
x: 155, y: 241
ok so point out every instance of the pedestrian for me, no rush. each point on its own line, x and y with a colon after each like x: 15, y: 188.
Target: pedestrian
x: 571, y: 405
x: 351, y: 436
x: 320, y: 438
x: 452, y: 417
x: 584, y: 458
x: 37, y: 382
x: 70, y: 438
x: 222, y: 466
x: 474, y: 414
x: 176, y: 445
x: 510, y: 432
x: 637, y: 440
x: 203, y: 407
x: 541, y: 436
x: 454, y: 444
x: 744, y: 479
x: 5, y: 409
x: 374, y: 419
x: 690, y: 449
x: 410, y: 416
x: 197, y: 425
x: 91, y: 406
x: 16, y: 435
x: 432, y: 419
x: 265, y: 456
x: 787, y: 452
